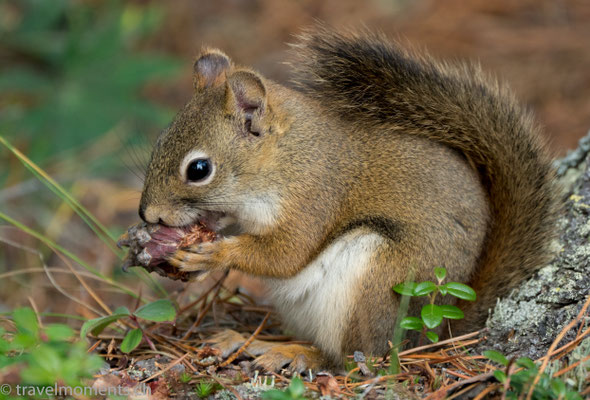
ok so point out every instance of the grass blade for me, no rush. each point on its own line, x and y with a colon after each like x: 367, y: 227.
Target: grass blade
x: 66, y: 253
x: 64, y: 195
x: 99, y: 229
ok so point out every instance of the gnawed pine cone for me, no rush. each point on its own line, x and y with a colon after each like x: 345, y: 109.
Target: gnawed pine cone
x: 150, y: 245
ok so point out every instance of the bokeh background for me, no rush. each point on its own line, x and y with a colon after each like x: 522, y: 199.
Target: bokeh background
x: 86, y: 85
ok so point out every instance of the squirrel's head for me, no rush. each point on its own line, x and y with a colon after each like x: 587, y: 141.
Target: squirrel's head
x: 212, y: 163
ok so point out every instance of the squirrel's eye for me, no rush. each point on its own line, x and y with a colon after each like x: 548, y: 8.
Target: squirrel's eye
x: 198, y: 169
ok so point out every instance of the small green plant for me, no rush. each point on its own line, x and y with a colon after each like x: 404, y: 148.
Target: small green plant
x: 295, y: 391
x: 204, y: 389
x: 185, y: 377
x: 432, y: 315
x: 158, y: 311
x: 349, y: 365
x: 44, y: 355
x: 518, y: 376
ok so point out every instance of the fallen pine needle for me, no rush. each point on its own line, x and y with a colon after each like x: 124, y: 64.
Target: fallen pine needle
x: 558, y: 339
x: 570, y: 367
x: 442, y: 342
x: 484, y: 392
x: 456, y: 374
x: 231, y: 358
x: 444, y: 390
x: 206, y: 309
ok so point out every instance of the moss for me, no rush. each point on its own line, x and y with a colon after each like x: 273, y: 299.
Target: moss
x: 248, y: 390
x: 576, y: 377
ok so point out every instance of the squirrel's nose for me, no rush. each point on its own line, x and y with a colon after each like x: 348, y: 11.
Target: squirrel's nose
x: 156, y: 214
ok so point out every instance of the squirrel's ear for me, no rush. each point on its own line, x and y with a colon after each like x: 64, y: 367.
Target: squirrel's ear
x: 210, y: 69
x: 246, y: 94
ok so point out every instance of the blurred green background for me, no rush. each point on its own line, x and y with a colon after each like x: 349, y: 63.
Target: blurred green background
x: 72, y: 80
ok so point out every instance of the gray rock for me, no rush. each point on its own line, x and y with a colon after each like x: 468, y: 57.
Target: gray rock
x: 527, y: 321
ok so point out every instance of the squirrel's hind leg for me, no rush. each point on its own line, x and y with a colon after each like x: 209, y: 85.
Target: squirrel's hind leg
x: 298, y: 357
x: 271, y: 356
x: 229, y: 341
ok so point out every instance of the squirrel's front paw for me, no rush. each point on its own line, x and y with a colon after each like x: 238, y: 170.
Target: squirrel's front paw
x: 196, y: 257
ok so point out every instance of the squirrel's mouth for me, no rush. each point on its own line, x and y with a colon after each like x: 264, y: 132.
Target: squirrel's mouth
x: 212, y: 220
x: 223, y: 224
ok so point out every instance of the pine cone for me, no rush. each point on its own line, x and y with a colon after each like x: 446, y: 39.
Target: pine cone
x: 150, y: 245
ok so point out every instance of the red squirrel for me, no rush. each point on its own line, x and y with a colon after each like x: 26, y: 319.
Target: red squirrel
x: 379, y: 165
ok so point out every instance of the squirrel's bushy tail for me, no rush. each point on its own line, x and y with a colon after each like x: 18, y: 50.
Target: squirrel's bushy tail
x: 374, y: 84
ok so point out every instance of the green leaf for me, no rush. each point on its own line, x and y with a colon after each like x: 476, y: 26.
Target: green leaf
x: 500, y: 376
x: 496, y: 356
x: 526, y: 363
x: 59, y: 332
x: 36, y: 375
x: 571, y: 395
x: 523, y: 376
x: 558, y: 386
x: 275, y: 394
x: 296, y: 388
x: 451, y: 312
x: 158, y: 311
x: 122, y: 310
x: 461, y: 291
x: 424, y: 288
x: 46, y: 357
x: 443, y: 289
x: 23, y: 341
x: 411, y: 323
x: 295, y: 391
x: 4, y: 344
x: 97, y: 325
x: 431, y: 315
x: 79, y: 363
x: 22, y: 79
x: 433, y: 337
x: 26, y: 320
x: 440, y: 273
x: 405, y: 289
x: 131, y: 340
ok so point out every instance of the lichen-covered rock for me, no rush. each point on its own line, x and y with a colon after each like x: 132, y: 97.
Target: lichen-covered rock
x: 527, y: 321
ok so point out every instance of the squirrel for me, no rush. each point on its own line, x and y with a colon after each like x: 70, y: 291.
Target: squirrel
x: 378, y: 165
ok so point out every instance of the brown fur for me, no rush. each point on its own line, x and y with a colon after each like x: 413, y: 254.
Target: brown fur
x: 373, y: 84
x: 435, y: 159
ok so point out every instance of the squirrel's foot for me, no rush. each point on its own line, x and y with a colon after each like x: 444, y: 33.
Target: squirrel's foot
x: 229, y: 341
x: 296, y: 357
x: 272, y: 356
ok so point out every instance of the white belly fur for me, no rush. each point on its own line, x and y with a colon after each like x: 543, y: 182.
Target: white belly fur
x: 315, y: 303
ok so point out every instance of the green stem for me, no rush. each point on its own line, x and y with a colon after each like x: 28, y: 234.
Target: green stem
x: 66, y: 253
x: 99, y: 229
